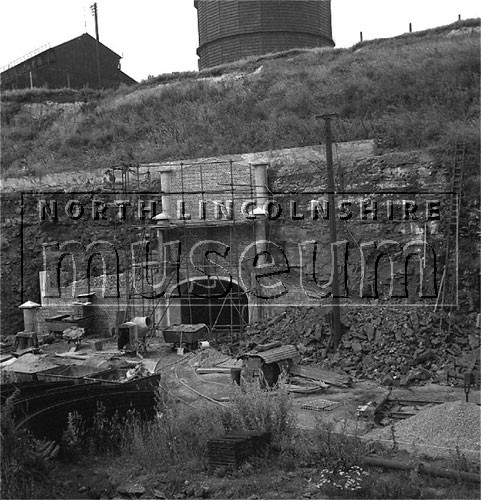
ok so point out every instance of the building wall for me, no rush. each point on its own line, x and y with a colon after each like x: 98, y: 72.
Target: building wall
x: 231, y: 30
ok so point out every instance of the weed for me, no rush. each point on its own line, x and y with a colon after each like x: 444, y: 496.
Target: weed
x: 254, y: 408
x: 337, y: 450
x: 73, y: 437
x: 395, y: 444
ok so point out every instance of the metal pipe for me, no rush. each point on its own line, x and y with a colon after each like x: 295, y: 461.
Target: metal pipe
x: 421, y: 467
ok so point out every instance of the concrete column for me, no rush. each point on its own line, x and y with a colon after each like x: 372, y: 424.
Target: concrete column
x: 43, y: 284
x: 260, y: 179
x: 166, y: 184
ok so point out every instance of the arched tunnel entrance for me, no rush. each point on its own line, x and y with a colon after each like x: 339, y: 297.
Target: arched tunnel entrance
x: 219, y: 303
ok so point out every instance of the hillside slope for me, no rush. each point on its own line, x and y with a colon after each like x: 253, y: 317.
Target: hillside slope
x: 412, y: 91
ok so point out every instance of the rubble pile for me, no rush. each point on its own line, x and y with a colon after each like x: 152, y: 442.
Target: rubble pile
x: 383, y: 344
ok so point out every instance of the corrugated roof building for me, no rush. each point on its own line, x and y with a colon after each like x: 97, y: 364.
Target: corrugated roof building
x: 268, y: 365
x: 72, y: 64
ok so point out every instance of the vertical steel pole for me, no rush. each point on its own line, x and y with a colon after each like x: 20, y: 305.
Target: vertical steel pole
x: 336, y: 313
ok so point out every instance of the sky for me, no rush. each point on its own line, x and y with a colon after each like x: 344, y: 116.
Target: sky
x: 160, y: 36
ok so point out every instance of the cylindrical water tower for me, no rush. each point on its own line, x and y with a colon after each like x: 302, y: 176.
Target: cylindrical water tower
x: 232, y: 29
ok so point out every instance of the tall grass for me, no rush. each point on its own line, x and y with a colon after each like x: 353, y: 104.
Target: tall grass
x: 25, y: 461
x: 178, y: 435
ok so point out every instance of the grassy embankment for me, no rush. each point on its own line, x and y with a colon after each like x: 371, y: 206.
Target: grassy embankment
x: 413, y: 91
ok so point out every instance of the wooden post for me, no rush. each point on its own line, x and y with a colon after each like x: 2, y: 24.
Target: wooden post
x: 410, y: 28
x: 31, y: 80
x: 94, y: 11
x: 361, y: 35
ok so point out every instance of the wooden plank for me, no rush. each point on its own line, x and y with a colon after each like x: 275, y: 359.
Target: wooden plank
x: 204, y: 371
x: 327, y: 376
x: 71, y: 355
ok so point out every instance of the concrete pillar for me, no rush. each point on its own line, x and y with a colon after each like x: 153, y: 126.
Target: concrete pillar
x: 30, y: 323
x: 43, y: 283
x: 260, y: 179
x: 166, y: 184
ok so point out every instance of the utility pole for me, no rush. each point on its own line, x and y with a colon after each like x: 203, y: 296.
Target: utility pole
x: 336, y: 312
x: 93, y: 8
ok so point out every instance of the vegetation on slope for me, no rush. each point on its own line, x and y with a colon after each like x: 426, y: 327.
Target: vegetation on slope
x: 413, y: 91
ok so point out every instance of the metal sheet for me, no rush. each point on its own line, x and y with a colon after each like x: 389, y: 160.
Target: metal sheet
x: 276, y: 354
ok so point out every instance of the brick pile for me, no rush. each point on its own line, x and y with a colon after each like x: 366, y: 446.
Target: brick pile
x: 383, y: 344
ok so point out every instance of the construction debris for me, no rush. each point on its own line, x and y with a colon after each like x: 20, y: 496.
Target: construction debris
x: 329, y: 377
x: 318, y: 404
x: 386, y: 344
x: 74, y: 334
x: 26, y: 368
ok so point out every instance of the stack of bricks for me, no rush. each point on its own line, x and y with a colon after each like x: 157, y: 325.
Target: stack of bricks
x: 232, y: 449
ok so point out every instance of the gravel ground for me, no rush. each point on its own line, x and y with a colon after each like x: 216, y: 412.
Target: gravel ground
x: 439, y: 429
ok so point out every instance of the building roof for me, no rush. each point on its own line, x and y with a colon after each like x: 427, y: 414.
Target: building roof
x: 275, y: 354
x: 38, y: 53
x: 86, y: 35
